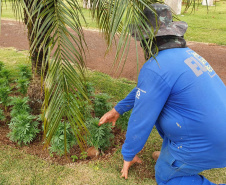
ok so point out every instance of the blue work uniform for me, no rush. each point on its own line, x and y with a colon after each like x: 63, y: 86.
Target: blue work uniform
x: 179, y: 93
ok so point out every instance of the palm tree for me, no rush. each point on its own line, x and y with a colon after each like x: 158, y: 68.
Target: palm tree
x: 55, y: 27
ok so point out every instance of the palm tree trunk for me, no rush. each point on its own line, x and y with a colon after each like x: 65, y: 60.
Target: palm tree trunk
x: 37, y: 56
x: 36, y: 95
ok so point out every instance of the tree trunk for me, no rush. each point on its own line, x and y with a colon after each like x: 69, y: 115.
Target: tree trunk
x: 175, y: 5
x: 38, y: 55
x: 84, y: 3
x: 35, y: 94
x: 87, y: 4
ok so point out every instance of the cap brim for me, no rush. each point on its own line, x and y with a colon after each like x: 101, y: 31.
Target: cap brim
x: 177, y: 28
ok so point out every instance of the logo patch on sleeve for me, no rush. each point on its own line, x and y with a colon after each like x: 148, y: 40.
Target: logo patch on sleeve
x: 138, y: 93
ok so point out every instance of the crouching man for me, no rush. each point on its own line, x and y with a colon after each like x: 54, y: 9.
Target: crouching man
x: 185, y: 99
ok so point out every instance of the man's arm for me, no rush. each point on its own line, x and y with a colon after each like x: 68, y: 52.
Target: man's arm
x: 151, y: 96
x: 126, y: 104
x: 123, y: 106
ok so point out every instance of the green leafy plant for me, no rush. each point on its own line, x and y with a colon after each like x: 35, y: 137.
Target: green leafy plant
x: 58, y: 140
x: 2, y: 116
x: 122, y: 122
x: 85, y: 107
x: 5, y: 89
x: 87, y: 110
x: 3, y: 82
x: 5, y: 73
x: 1, y: 65
x: 74, y: 158
x: 102, y: 104
x: 20, y: 106
x: 25, y: 71
x: 4, y: 95
x: 23, y: 84
x: 23, y: 128
x: 100, y: 136
x: 23, y: 81
x: 83, y: 155
x: 90, y: 89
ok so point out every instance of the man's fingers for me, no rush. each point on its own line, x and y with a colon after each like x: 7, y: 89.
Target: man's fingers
x: 124, y: 174
x: 113, y: 123
x: 125, y: 169
x: 102, y: 121
x: 106, y: 120
x: 139, y: 161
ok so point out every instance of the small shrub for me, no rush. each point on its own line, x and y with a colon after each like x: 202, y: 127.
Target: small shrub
x: 23, y: 128
x: 122, y: 122
x: 6, y: 74
x: 4, y: 95
x: 2, y: 116
x: 5, y: 89
x: 101, y: 104
x: 85, y: 107
x: 83, y: 155
x: 58, y: 140
x: 74, y: 158
x: 20, y: 106
x: 87, y: 110
x: 100, y: 136
x: 22, y: 85
x: 90, y: 89
x: 3, y: 82
x: 1, y: 65
x: 25, y: 71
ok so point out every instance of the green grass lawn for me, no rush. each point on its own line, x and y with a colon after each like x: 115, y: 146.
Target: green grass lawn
x: 17, y: 167
x: 206, y: 26
x: 12, y: 58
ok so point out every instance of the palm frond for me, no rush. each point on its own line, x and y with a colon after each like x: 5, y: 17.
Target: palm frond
x: 119, y: 19
x: 64, y: 88
x: 57, y: 30
x: 0, y: 14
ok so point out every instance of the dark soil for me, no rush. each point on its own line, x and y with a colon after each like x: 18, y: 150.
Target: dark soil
x: 37, y: 147
x: 13, y: 34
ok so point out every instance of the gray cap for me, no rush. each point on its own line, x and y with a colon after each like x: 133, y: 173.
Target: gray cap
x: 165, y: 25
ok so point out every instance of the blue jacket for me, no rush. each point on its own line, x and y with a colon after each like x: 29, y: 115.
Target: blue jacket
x: 182, y: 95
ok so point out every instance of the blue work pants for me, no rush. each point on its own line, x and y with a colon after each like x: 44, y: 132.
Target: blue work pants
x: 169, y: 171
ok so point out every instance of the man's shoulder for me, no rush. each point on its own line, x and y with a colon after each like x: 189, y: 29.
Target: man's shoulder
x: 167, y: 60
x: 168, y: 64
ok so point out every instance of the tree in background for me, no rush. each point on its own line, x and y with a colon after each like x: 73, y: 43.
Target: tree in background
x: 87, y: 4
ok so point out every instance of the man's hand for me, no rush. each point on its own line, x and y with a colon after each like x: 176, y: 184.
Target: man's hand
x: 110, y: 116
x: 127, y: 165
